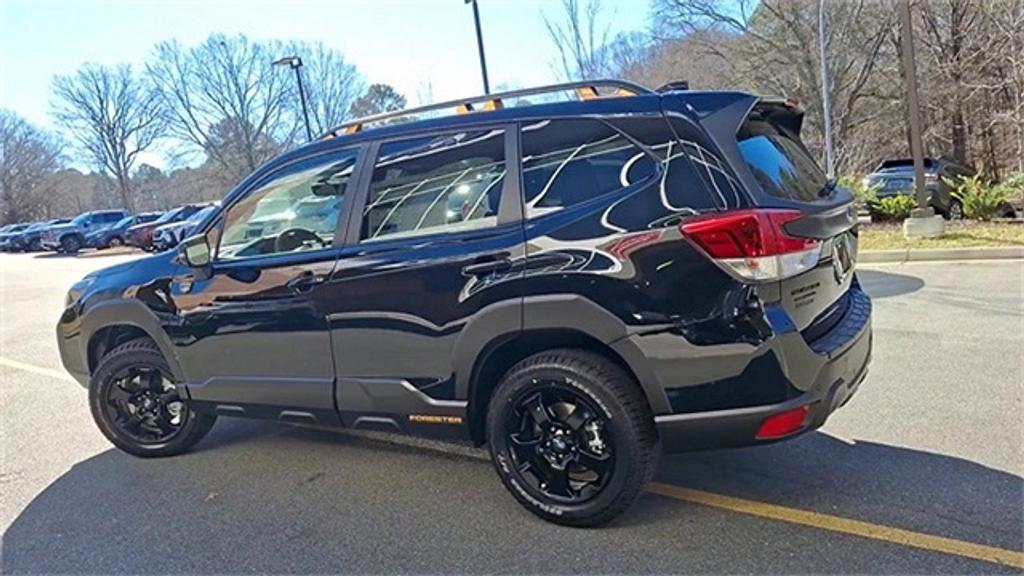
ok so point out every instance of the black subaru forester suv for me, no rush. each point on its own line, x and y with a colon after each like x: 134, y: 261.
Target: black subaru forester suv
x: 577, y: 284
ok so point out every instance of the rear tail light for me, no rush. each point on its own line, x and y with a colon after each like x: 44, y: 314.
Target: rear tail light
x: 753, y: 243
x: 782, y: 424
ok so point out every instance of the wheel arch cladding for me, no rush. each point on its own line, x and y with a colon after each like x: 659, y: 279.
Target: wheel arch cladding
x: 113, y: 322
x: 504, y: 352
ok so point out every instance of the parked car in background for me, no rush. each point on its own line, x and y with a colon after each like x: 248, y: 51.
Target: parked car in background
x: 169, y: 235
x: 7, y: 234
x: 30, y: 239
x: 896, y: 178
x: 141, y: 235
x: 113, y: 236
x: 70, y: 238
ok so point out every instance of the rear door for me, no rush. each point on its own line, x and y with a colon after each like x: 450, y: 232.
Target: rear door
x: 786, y: 176
x: 427, y: 277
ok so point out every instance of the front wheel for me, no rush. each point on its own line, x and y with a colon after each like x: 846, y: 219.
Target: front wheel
x: 136, y: 405
x: 572, y: 437
x: 70, y: 244
x: 115, y: 242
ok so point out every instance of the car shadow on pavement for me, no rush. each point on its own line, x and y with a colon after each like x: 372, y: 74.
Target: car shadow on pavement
x: 879, y: 284
x: 256, y: 496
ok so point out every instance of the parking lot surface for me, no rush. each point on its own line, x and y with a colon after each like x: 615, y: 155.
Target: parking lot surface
x: 920, y: 473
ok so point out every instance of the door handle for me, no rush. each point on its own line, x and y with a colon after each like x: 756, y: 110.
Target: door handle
x: 494, y: 265
x: 305, y: 282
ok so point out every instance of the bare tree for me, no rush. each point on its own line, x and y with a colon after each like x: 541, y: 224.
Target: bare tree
x: 225, y: 99
x: 772, y: 47
x: 581, y: 39
x: 331, y: 83
x: 113, y: 114
x: 27, y: 157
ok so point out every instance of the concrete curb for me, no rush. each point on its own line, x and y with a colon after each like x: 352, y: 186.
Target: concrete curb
x: 934, y: 254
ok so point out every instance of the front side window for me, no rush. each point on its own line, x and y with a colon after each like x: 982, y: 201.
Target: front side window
x: 445, y: 183
x: 566, y: 162
x: 296, y: 209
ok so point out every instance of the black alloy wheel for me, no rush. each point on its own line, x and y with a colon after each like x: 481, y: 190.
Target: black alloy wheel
x: 571, y: 436
x: 136, y: 404
x: 558, y: 442
x: 144, y: 405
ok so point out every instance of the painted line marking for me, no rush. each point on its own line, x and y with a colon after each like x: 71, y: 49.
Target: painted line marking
x: 843, y: 525
x: 828, y: 522
x: 48, y: 372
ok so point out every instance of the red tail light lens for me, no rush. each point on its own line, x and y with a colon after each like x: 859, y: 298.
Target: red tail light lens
x: 782, y: 424
x: 753, y: 243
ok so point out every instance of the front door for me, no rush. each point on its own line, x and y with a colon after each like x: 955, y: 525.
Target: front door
x: 253, y: 335
x: 427, y: 277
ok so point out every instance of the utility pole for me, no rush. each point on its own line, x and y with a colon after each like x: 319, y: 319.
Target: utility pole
x: 826, y: 95
x: 480, y: 45
x: 923, y: 223
x: 295, y: 63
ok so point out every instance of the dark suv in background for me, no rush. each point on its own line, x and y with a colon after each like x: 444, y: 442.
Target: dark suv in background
x: 576, y: 284
x: 896, y: 178
x: 70, y: 238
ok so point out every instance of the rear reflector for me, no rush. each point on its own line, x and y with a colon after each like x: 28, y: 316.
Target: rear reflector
x: 753, y: 243
x: 782, y: 424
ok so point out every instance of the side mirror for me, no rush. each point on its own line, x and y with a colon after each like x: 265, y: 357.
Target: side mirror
x: 195, y: 251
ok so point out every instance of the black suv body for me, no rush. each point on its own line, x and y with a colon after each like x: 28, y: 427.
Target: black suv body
x: 572, y: 283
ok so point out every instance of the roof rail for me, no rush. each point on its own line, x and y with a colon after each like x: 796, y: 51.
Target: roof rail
x: 584, y: 90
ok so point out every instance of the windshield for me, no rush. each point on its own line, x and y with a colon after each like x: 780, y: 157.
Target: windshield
x: 124, y: 222
x: 80, y: 219
x: 168, y: 216
x: 201, y: 215
x: 779, y: 160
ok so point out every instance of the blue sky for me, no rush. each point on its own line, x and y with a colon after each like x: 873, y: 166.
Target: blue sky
x: 405, y: 43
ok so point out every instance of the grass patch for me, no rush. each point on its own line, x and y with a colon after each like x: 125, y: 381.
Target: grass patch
x: 958, y: 235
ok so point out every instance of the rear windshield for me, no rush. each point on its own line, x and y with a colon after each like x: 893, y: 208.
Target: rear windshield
x: 779, y: 160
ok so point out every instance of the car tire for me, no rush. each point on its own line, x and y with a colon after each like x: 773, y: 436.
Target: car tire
x: 134, y: 412
x: 115, y: 242
x: 35, y: 245
x: 546, y: 467
x: 955, y: 210
x: 70, y: 244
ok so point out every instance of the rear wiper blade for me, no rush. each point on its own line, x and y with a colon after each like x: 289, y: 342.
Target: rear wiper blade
x: 828, y: 188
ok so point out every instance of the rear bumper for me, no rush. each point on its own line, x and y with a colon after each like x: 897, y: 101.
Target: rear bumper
x: 838, y: 362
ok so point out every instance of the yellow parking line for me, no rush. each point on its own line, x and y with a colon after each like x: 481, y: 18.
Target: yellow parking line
x: 58, y: 374
x: 764, y: 510
x: 844, y: 525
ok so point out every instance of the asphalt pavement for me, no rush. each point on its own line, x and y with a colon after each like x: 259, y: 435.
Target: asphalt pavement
x: 920, y: 473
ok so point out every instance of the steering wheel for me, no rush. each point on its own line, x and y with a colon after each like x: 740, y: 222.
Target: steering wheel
x: 294, y: 238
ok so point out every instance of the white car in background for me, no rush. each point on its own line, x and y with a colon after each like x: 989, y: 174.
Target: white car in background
x: 170, y: 235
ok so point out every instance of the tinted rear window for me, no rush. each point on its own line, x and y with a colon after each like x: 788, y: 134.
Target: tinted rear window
x: 779, y: 160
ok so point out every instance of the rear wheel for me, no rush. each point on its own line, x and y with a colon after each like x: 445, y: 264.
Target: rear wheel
x: 115, y: 242
x: 955, y: 211
x: 136, y: 405
x: 70, y: 244
x: 571, y: 437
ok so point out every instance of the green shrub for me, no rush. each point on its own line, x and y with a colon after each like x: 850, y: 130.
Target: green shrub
x: 863, y: 196
x: 893, y: 208
x: 980, y: 200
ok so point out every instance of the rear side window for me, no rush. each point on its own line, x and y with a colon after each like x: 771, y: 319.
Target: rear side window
x: 566, y: 162
x: 435, y: 184
x: 779, y: 160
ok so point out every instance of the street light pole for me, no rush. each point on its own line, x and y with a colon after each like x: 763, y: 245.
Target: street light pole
x: 913, y: 112
x: 295, y: 63
x: 826, y: 94
x: 480, y: 45
x: 923, y: 223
